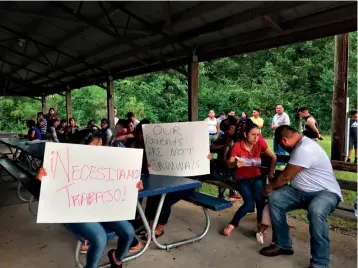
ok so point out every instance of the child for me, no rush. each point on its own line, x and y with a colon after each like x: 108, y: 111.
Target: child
x: 265, y: 223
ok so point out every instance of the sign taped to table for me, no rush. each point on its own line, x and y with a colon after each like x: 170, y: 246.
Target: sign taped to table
x: 177, y: 149
x: 89, y: 183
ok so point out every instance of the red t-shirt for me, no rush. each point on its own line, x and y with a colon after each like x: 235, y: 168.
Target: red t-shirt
x: 238, y: 149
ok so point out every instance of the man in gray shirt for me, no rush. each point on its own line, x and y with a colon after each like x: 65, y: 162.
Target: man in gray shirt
x: 313, y: 187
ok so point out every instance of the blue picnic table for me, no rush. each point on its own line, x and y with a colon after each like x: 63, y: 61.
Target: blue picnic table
x: 32, y: 149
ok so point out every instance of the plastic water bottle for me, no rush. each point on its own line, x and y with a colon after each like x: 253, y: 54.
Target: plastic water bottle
x: 250, y: 162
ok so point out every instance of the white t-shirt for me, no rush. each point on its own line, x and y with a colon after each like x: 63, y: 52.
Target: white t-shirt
x: 212, y: 124
x: 317, y: 174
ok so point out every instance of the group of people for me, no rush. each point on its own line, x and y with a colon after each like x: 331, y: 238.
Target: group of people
x: 280, y: 118
x: 312, y: 183
x: 307, y: 182
x: 49, y: 127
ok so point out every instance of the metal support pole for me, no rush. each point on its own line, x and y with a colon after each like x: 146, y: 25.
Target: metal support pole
x: 170, y: 245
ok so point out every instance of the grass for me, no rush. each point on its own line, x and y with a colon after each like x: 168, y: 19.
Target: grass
x: 348, y: 196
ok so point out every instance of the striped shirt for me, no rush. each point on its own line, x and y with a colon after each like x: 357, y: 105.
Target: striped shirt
x: 44, y: 127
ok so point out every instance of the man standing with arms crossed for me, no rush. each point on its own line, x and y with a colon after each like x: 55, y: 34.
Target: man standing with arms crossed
x: 280, y: 119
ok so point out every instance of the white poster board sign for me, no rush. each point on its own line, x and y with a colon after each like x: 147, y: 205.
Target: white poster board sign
x: 177, y: 149
x: 89, y: 183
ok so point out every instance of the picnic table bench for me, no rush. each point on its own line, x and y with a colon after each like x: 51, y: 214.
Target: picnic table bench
x: 23, y: 177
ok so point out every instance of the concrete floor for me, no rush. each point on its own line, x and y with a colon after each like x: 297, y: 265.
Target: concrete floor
x: 23, y: 243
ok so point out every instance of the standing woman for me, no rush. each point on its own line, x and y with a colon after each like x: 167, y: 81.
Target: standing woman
x: 247, y: 174
x: 95, y: 232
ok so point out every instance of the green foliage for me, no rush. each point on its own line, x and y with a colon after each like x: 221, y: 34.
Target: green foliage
x: 294, y: 75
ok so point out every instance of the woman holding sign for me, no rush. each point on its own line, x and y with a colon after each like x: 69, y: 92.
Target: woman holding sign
x: 245, y: 157
x: 95, y: 232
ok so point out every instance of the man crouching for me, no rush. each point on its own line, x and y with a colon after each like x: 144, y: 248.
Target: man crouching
x: 313, y: 186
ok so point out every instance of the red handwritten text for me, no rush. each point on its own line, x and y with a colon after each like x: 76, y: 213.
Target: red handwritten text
x: 86, y: 172
x: 91, y: 198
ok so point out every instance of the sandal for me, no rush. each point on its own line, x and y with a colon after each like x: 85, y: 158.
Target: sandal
x: 111, y: 260
x: 144, y: 237
x: 136, y: 248
x: 227, y: 230
x: 84, y: 247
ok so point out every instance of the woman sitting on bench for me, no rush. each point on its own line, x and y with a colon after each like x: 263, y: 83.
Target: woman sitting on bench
x: 95, y: 232
x: 247, y: 175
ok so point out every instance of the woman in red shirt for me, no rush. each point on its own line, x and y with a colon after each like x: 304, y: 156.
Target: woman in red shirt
x: 247, y: 174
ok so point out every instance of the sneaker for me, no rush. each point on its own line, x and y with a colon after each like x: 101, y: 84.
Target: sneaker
x: 348, y: 160
x: 234, y: 197
x: 84, y: 247
x: 355, y: 160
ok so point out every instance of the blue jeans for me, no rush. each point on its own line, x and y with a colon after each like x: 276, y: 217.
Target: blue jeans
x: 318, y: 205
x: 251, y: 192
x: 95, y: 233
x: 278, y: 150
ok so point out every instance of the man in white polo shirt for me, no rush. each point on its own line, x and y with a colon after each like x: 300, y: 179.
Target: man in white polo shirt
x: 313, y: 186
x: 280, y: 119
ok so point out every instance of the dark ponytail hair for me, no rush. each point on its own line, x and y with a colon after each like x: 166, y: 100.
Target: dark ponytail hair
x: 243, y: 128
x: 89, y: 135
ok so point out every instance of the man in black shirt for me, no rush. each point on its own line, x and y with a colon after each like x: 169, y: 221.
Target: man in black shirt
x: 353, y: 124
x: 310, y: 129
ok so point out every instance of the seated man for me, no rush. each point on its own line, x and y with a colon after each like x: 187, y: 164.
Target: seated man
x: 313, y: 186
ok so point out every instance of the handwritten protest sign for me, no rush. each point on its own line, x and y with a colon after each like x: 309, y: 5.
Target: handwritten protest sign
x: 177, y: 149
x: 89, y: 183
